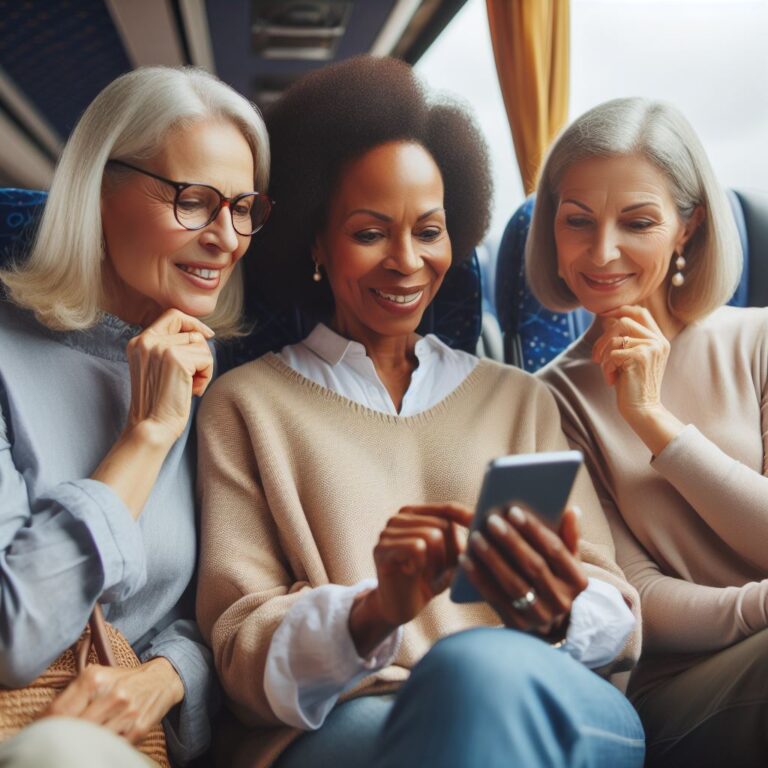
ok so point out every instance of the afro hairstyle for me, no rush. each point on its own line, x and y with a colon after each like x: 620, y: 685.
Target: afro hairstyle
x: 329, y: 118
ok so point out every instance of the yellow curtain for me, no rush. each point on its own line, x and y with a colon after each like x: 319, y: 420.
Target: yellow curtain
x: 531, y: 40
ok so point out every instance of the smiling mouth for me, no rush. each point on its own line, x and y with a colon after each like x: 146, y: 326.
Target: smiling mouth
x: 606, y: 281
x: 399, y: 298
x: 203, y: 274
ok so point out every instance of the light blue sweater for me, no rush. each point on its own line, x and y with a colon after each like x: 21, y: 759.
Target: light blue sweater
x: 67, y: 541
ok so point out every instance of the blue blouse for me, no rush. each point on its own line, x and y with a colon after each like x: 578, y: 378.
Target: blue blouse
x: 67, y: 541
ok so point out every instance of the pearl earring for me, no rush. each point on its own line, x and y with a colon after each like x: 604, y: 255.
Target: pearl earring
x: 317, y: 275
x: 679, y: 278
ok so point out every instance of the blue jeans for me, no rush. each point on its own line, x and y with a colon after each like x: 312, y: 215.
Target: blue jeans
x: 485, y: 698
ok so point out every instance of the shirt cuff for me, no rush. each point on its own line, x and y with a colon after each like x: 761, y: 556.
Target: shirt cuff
x: 312, y: 658
x: 116, y: 535
x: 188, y: 725
x: 600, y: 624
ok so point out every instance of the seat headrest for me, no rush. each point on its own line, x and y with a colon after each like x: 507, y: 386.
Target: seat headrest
x: 20, y: 211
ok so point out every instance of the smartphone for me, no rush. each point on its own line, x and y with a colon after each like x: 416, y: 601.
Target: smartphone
x: 539, y: 481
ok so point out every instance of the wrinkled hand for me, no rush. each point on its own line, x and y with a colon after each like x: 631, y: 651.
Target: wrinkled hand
x: 416, y: 557
x: 632, y: 352
x: 169, y: 363
x: 517, y: 554
x: 128, y: 702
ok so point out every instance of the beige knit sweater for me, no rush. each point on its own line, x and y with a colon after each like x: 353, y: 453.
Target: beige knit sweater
x: 691, y: 525
x: 297, y: 482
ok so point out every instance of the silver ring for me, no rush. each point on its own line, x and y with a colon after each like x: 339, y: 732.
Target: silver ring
x: 624, y: 342
x: 525, y: 602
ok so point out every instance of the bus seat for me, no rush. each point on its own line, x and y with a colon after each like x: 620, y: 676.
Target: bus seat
x: 456, y: 315
x: 19, y: 211
x: 491, y: 343
x: 533, y: 335
x: 751, y: 213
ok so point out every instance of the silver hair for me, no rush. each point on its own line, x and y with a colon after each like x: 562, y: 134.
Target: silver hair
x: 660, y: 134
x: 130, y: 119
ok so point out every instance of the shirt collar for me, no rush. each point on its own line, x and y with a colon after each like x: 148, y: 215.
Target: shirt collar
x: 333, y: 348
x: 431, y: 345
x: 330, y: 346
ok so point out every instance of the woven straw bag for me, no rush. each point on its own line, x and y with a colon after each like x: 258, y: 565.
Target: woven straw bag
x: 100, y: 643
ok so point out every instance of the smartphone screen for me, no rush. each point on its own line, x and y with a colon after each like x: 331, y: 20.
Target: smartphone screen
x: 539, y: 481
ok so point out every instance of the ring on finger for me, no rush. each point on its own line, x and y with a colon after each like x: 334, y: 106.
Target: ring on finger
x: 524, y: 602
x: 624, y: 341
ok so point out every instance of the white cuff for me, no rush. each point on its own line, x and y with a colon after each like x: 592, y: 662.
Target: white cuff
x: 600, y: 624
x: 312, y: 658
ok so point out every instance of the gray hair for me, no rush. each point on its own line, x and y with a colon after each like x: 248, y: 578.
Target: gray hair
x: 658, y: 133
x: 130, y: 119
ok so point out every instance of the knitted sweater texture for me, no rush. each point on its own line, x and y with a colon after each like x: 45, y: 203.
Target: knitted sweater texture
x: 297, y: 483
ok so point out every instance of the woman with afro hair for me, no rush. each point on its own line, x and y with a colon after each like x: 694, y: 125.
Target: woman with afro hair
x: 337, y: 478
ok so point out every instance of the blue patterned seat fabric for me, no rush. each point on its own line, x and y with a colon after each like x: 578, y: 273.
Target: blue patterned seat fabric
x: 455, y: 315
x: 533, y: 335
x: 19, y: 212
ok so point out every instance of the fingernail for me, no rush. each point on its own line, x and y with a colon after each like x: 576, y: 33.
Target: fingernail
x: 577, y: 511
x: 517, y: 514
x: 477, y: 541
x: 466, y: 562
x: 497, y: 524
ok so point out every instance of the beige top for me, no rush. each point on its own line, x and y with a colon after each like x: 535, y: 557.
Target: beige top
x: 297, y: 483
x: 691, y: 525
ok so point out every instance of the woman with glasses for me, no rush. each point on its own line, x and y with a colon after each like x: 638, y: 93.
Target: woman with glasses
x: 339, y: 473
x: 105, y: 344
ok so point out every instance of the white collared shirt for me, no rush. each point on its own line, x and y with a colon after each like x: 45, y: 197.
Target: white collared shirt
x: 344, y: 367
x: 312, y: 658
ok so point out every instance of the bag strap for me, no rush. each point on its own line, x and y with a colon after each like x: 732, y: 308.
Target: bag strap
x: 96, y: 637
x: 100, y: 638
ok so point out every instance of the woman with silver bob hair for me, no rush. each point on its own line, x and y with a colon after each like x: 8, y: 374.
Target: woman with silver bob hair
x: 667, y: 395
x: 105, y: 343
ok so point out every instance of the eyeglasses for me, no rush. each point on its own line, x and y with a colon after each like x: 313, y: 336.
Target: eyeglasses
x: 196, y: 205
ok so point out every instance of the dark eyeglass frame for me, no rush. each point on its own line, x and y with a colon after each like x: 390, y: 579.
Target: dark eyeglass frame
x: 180, y: 186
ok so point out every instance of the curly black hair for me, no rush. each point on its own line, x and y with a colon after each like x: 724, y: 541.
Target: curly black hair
x: 334, y: 115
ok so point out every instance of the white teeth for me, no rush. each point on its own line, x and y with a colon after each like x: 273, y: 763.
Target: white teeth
x: 408, y: 298
x: 607, y: 281
x: 206, y: 274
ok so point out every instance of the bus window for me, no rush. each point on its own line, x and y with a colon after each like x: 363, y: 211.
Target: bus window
x: 707, y: 58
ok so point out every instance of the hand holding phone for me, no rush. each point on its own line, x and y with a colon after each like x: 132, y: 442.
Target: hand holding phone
x: 515, y: 559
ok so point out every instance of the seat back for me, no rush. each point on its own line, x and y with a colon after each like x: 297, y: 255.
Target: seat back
x: 19, y: 212
x: 751, y: 213
x: 533, y: 335
x: 455, y: 315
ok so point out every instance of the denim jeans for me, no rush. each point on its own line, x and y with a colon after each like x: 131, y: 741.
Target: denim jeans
x: 485, y: 698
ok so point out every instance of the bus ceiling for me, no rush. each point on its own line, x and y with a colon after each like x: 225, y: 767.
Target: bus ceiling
x: 56, y: 56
